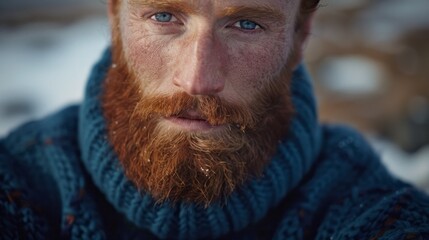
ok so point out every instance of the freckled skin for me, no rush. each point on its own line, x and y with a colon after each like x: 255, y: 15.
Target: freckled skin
x: 204, y: 55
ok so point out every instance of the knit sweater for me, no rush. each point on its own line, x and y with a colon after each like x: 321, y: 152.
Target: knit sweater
x: 60, y: 179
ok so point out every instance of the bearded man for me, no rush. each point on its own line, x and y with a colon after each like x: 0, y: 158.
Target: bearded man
x: 200, y: 122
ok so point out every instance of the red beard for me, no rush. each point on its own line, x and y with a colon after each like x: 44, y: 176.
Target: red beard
x: 198, y: 167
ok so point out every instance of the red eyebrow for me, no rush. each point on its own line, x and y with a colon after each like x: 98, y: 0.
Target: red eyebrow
x: 259, y: 12
x: 177, y: 5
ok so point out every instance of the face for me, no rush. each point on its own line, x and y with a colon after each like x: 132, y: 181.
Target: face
x: 224, y: 48
x: 197, y: 97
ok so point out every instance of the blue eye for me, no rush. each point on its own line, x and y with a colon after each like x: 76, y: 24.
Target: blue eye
x: 247, y: 25
x: 163, y: 17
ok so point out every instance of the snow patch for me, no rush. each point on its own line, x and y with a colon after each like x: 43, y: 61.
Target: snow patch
x: 352, y: 76
x: 47, y: 65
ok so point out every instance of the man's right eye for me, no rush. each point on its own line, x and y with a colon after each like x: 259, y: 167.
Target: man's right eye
x: 164, y: 17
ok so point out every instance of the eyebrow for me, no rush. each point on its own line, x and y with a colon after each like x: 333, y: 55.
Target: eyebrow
x: 258, y: 12
x: 177, y: 5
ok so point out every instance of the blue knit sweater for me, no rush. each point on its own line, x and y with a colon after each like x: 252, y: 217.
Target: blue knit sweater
x: 60, y: 179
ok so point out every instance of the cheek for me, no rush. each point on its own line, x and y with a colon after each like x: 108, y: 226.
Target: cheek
x: 253, y: 66
x: 143, y: 55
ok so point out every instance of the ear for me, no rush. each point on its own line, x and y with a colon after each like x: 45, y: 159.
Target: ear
x: 302, y: 31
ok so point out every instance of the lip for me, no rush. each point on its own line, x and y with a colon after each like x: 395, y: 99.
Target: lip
x: 191, y: 120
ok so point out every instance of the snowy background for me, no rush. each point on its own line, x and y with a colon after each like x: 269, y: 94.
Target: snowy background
x: 369, y: 60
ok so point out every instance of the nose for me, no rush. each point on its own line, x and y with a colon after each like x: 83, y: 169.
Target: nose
x: 201, y: 70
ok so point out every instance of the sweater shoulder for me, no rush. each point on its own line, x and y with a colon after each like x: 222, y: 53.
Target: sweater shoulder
x: 378, y: 213
x: 348, y: 194
x: 26, y: 151
x: 350, y: 164
x: 61, y: 124
x: 367, y: 202
x: 29, y: 195
x: 347, y: 143
x: 349, y: 148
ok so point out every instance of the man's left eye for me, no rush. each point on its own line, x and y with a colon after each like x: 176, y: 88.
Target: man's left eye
x: 247, y: 25
x: 164, y: 17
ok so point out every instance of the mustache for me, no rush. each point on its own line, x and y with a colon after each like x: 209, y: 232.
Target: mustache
x: 213, y: 109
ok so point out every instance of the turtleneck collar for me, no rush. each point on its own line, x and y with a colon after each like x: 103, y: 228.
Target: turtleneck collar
x: 247, y: 205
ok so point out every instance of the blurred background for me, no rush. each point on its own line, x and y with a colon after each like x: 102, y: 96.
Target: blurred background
x: 369, y: 60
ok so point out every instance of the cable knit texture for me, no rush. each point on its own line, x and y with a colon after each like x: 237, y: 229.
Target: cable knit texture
x: 60, y: 179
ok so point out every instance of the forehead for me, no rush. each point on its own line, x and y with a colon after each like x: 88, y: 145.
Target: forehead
x: 284, y: 6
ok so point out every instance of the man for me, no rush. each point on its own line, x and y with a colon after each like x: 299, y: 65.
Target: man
x: 199, y: 122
